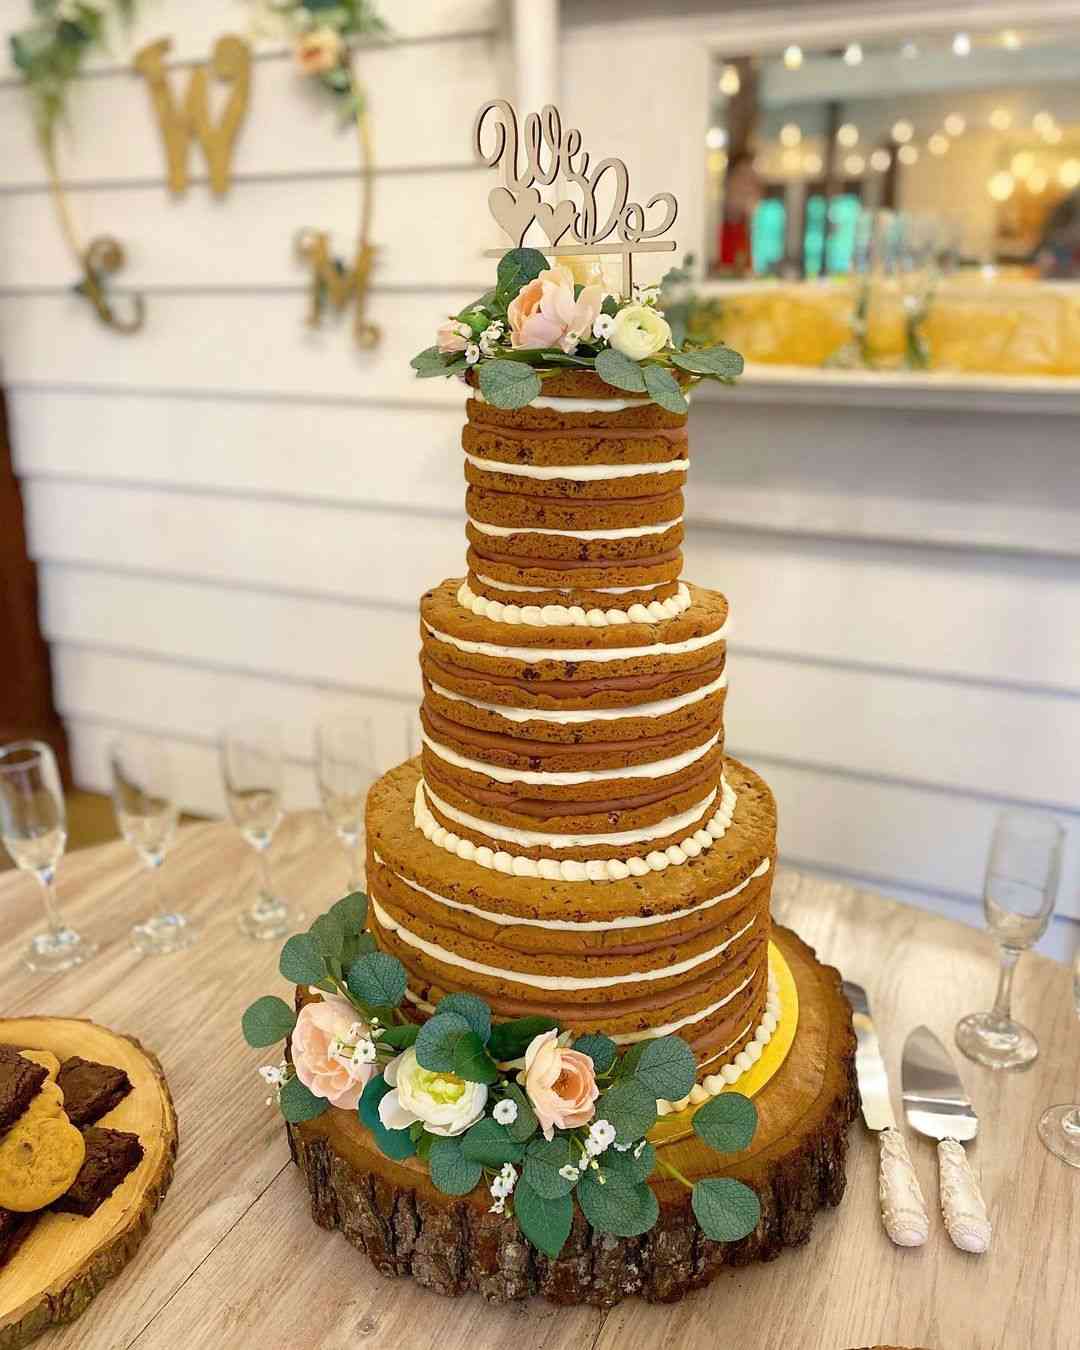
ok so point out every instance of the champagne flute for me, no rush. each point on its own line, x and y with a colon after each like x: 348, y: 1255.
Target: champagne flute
x: 1022, y: 877
x: 1059, y: 1126
x: 345, y: 768
x: 252, y: 769
x: 146, y: 812
x: 33, y: 823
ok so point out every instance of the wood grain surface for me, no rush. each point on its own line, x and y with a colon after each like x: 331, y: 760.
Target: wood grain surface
x: 234, y: 1259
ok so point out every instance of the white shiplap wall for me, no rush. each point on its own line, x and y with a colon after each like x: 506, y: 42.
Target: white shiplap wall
x: 904, y: 566
x: 233, y: 514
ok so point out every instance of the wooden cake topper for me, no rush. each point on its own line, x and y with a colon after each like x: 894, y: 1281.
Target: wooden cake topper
x: 551, y: 153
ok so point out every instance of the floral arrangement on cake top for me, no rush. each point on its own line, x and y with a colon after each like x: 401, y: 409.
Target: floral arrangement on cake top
x: 538, y: 1116
x: 539, y: 320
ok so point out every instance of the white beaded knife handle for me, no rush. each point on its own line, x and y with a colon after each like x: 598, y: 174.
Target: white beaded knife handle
x: 962, y: 1204
x: 903, y: 1209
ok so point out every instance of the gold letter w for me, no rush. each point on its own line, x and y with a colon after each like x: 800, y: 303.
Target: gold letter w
x: 231, y: 62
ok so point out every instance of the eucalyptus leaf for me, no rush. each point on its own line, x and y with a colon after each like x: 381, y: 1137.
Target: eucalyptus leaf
x: 377, y: 979
x: 727, y: 1123
x: 472, y: 1062
x: 630, y: 1107
x: 401, y: 1036
x: 301, y: 961
x: 300, y: 1103
x: 517, y: 267
x: 510, y: 1040
x: 600, y: 1049
x: 718, y: 362
x: 664, y: 389
x: 631, y: 1167
x: 543, y: 1159
x: 352, y: 911
x: 618, y: 370
x: 490, y: 1143
x: 328, y: 931
x: 726, y: 1209
x: 451, y: 1171
x: 666, y: 1067
x: 474, y: 1010
x: 268, y: 1020
x: 612, y: 1206
x: 508, y: 384
x: 546, y: 1222
x: 375, y: 1089
x: 437, y: 1041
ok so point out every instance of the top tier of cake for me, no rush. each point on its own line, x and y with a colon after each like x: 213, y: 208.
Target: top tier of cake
x: 575, y: 506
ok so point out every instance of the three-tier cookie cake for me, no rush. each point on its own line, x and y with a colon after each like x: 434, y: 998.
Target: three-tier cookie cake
x: 558, y: 1046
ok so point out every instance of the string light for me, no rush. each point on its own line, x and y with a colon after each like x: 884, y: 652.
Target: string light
x: 938, y: 144
x: 1001, y: 186
x: 848, y: 135
x: 1001, y: 119
x: 853, y: 54
x: 961, y: 45
x: 854, y: 165
x: 1053, y: 135
x: 902, y: 131
x: 880, y: 160
x: 730, y: 81
x: 790, y: 135
x: 1010, y: 39
x: 1037, y: 181
x: 907, y: 154
x: 716, y: 138
x: 955, y: 125
x: 1069, y: 174
x: 1043, y: 121
x: 793, y: 56
x: 1022, y: 164
x: 812, y: 164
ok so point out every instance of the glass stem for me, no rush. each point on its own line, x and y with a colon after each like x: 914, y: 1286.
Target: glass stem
x: 159, y: 890
x: 1071, y: 1123
x: 349, y: 841
x: 1002, y: 1010
x: 47, y: 877
x: 265, y: 888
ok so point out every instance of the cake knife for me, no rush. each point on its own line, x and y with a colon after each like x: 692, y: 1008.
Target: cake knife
x: 903, y: 1209
x: 937, y: 1106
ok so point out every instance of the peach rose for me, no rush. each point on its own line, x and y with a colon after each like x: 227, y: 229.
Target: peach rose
x: 453, y: 336
x: 561, y: 1084
x: 318, y: 51
x: 329, y: 1046
x: 544, y: 313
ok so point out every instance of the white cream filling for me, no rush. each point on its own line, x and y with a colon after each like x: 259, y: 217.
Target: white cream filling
x: 562, y: 616
x: 634, y: 532
x: 540, y: 839
x: 550, y: 869
x: 562, y: 983
x: 657, y: 768
x: 561, y: 404
x: 577, y: 473
x: 584, y: 925
x: 565, y: 590
x: 534, y: 654
x: 669, y: 1028
x: 573, y: 716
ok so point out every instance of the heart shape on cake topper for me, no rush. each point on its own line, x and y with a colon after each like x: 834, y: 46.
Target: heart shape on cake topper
x: 555, y: 220
x: 514, y: 213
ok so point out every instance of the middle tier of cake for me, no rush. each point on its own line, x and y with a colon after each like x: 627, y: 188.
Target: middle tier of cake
x: 571, y: 754
x: 684, y: 951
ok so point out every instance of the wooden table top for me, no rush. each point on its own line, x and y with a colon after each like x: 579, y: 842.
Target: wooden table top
x: 234, y: 1259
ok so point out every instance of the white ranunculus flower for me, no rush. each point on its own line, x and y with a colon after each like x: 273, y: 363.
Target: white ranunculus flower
x: 446, y: 1104
x: 639, y: 331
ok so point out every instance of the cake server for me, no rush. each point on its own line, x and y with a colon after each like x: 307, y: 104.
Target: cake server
x: 903, y: 1209
x: 937, y: 1106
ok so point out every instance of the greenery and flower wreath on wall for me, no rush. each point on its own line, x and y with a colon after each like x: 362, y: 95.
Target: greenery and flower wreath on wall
x: 537, y: 1115
x: 538, y: 321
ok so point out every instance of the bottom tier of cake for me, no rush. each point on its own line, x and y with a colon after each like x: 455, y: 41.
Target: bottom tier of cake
x: 681, y: 951
x: 393, y: 1213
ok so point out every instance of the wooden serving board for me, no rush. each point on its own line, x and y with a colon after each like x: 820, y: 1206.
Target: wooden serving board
x: 393, y: 1213
x: 65, y: 1260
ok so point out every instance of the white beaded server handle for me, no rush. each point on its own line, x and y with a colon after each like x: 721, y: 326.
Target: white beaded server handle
x: 903, y: 1209
x: 962, y: 1204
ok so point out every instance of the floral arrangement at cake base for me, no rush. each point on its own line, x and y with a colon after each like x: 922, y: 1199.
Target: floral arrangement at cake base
x: 541, y: 1118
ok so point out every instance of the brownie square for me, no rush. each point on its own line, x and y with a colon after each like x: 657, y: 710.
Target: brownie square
x: 90, y: 1090
x: 13, y: 1228
x: 20, y: 1082
x: 110, y: 1156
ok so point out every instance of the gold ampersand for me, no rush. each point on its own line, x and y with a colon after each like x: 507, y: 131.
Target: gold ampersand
x: 230, y: 63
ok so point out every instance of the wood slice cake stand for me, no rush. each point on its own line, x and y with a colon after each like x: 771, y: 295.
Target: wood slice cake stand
x: 65, y: 1260
x: 393, y: 1213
